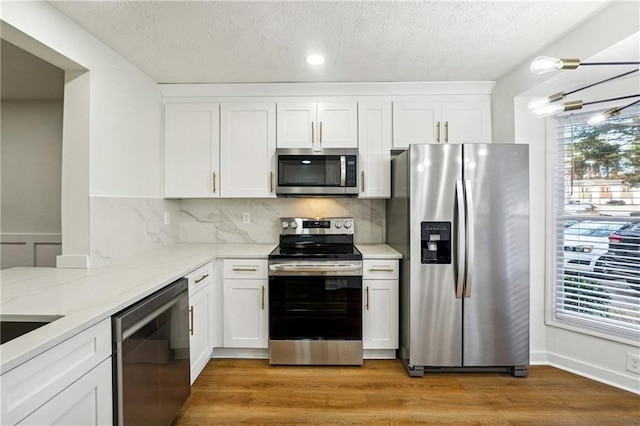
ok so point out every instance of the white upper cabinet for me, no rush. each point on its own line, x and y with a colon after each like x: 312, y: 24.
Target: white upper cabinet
x: 317, y: 125
x: 415, y: 122
x: 296, y: 124
x: 460, y: 121
x: 466, y: 122
x: 191, y: 150
x: 247, y: 148
x: 374, y: 129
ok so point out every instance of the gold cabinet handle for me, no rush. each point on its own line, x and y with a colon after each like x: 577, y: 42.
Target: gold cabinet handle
x: 271, y: 182
x: 362, y: 180
x: 313, y: 134
x: 214, y: 182
x: 245, y: 269
x: 191, y: 320
x: 446, y: 132
x: 367, y: 304
x: 263, y: 298
x: 202, y: 278
x: 321, y: 133
x: 380, y: 270
x: 438, y: 132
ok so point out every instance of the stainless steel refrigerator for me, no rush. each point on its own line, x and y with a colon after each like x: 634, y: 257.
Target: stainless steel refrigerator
x: 460, y: 216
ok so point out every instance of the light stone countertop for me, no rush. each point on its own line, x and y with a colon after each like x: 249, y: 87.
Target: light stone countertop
x: 378, y: 251
x: 87, y: 296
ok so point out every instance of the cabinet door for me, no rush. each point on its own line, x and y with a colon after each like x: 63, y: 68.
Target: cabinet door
x: 416, y: 122
x: 191, y: 150
x: 87, y: 401
x: 466, y: 122
x: 338, y: 124
x: 296, y: 124
x: 374, y: 149
x: 380, y: 314
x: 245, y: 313
x: 247, y: 150
x: 201, y: 330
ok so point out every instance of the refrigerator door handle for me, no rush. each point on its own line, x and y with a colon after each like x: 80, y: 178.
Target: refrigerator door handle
x: 462, y: 229
x: 469, y: 237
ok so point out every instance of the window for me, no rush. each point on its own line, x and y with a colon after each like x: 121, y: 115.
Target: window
x: 597, y: 218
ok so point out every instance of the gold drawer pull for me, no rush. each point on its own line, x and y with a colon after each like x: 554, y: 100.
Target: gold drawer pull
x: 263, y: 298
x: 381, y: 270
x: 202, y: 278
x: 367, y: 305
x: 245, y: 269
x: 191, y: 320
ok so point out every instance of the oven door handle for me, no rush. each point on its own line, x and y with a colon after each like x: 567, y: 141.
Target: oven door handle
x: 313, y: 268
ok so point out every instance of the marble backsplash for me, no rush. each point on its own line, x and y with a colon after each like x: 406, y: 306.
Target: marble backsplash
x: 220, y: 220
x: 125, y: 226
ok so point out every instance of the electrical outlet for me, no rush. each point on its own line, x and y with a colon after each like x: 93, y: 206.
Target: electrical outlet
x: 167, y: 219
x: 246, y: 217
x: 633, y: 362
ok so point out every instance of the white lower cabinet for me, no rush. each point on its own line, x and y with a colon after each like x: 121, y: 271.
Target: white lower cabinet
x: 67, y: 384
x: 380, y: 305
x: 88, y: 401
x: 201, y: 321
x: 245, y: 296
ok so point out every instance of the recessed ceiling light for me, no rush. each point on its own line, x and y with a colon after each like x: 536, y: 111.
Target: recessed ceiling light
x: 315, y: 59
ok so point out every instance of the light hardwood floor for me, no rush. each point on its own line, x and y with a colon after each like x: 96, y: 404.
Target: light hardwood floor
x: 381, y: 393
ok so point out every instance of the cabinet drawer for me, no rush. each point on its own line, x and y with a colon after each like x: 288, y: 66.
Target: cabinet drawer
x: 380, y: 269
x: 30, y: 385
x: 245, y: 268
x: 200, y: 278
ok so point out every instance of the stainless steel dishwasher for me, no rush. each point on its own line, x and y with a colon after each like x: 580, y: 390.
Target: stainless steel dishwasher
x: 151, y: 358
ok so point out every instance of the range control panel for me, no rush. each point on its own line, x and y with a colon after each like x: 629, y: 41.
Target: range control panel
x: 435, y: 241
x: 323, y: 226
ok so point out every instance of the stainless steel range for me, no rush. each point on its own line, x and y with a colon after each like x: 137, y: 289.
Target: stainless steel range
x: 315, y: 294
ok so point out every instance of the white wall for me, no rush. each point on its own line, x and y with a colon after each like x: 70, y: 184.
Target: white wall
x: 31, y: 166
x: 119, y: 153
x: 589, y: 355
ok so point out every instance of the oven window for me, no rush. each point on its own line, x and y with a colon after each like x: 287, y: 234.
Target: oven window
x: 309, y: 171
x: 316, y: 308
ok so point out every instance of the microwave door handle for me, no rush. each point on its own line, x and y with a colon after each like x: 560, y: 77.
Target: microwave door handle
x: 343, y: 170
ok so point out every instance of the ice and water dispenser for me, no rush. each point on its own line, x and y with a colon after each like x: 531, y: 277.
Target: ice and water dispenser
x: 435, y: 242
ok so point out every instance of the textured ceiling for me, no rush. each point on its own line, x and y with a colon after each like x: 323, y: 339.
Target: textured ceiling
x: 224, y: 42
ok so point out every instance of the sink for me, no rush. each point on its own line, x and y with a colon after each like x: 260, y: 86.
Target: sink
x: 12, y: 326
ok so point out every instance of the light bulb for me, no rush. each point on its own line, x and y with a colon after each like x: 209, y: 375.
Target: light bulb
x: 545, y: 64
x: 596, y: 120
x: 547, y: 110
x: 604, y: 116
x: 537, y: 103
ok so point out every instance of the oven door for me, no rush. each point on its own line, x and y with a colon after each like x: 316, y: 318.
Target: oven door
x: 312, y: 307
x: 315, y: 317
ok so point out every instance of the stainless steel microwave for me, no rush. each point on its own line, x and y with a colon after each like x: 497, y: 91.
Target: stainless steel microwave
x: 331, y: 172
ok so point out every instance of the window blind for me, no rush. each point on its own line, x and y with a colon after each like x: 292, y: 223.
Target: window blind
x: 597, y: 219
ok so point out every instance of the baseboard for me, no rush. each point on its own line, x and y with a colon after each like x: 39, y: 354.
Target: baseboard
x: 379, y: 354
x: 241, y: 353
x: 599, y: 374
x: 538, y: 358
